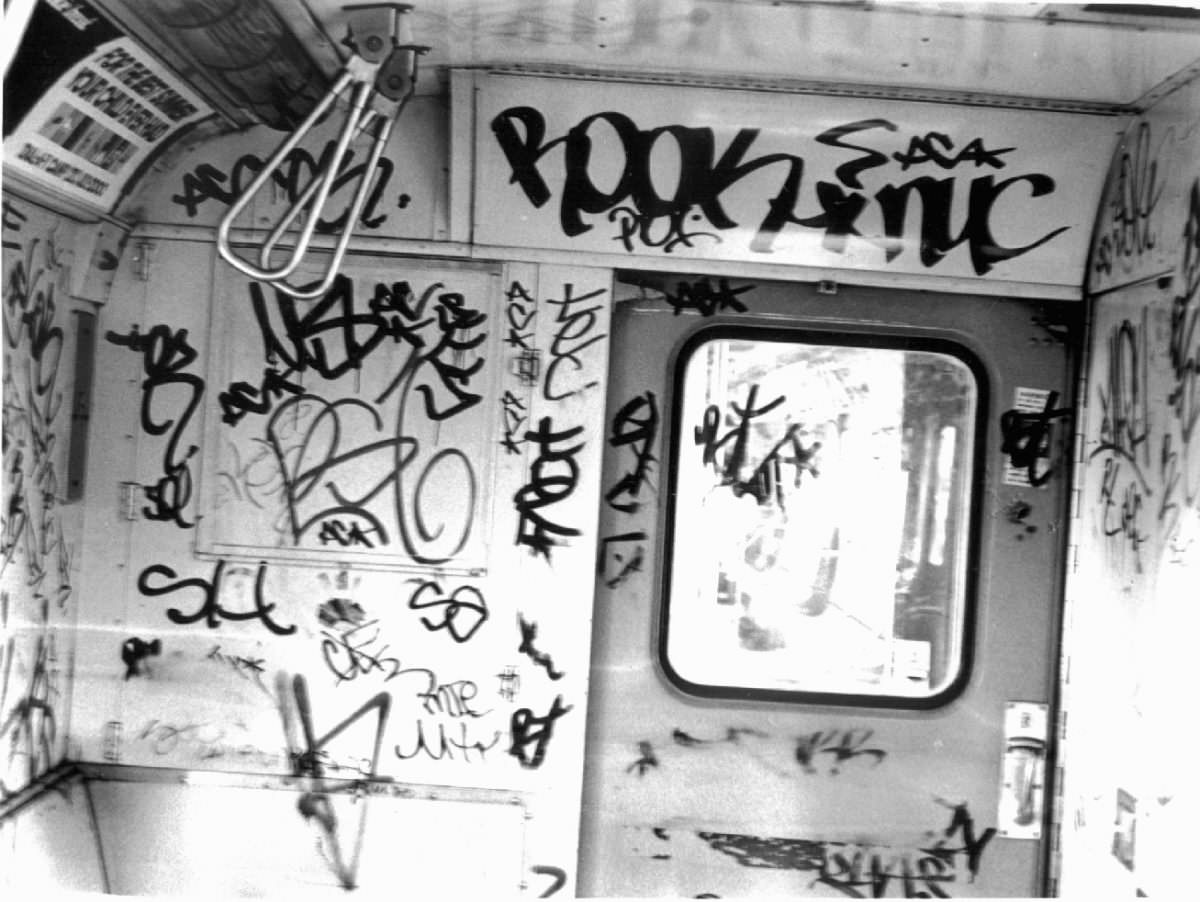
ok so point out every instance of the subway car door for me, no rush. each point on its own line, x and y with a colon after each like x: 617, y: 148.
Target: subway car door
x: 832, y: 530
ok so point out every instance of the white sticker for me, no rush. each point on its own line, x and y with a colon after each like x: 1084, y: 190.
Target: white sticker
x: 910, y: 661
x: 1025, y: 400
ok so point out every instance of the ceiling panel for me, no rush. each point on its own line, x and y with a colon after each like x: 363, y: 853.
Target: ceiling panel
x: 1043, y: 54
x: 1024, y: 49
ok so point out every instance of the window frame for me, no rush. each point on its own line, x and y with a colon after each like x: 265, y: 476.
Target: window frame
x: 843, y: 335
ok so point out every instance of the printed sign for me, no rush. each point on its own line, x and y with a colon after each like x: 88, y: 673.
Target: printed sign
x: 104, y: 116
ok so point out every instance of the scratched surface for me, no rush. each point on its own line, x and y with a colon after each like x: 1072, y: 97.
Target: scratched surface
x: 39, y: 531
x: 1130, y: 799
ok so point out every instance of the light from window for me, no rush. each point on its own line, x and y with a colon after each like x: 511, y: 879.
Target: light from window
x: 820, y: 519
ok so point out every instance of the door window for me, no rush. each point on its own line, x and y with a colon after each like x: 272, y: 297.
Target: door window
x: 820, y: 521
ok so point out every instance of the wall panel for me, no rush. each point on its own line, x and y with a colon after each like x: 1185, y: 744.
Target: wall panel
x: 39, y: 528
x: 1130, y: 786
x: 346, y: 540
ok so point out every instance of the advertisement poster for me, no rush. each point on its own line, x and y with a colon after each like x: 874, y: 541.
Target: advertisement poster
x: 103, y: 117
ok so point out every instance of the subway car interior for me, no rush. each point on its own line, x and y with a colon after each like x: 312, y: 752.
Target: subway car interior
x: 268, y: 629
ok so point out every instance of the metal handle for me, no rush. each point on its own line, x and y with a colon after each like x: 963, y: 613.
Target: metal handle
x: 382, y: 131
x: 381, y: 78
x: 323, y: 184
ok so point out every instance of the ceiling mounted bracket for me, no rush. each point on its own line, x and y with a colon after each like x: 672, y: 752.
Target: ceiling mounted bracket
x: 379, y: 78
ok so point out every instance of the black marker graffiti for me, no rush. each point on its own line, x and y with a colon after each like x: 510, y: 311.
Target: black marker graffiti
x: 924, y: 149
x: 1125, y: 441
x: 322, y: 425
x: 764, y: 482
x: 30, y: 727
x: 349, y: 654
x: 455, y: 701
x: 1125, y: 397
x: 315, y: 805
x: 627, y: 563
x: 706, y: 300
x: 345, y: 535
x: 544, y: 488
x: 575, y: 334
x: 528, y: 635
x: 558, y: 878
x: 31, y: 528
x: 297, y: 170
x: 528, y: 729
x: 251, y: 669
x: 206, y: 741
x: 841, y: 745
x: 767, y: 852
x: 687, y: 740
x: 1130, y: 230
x: 1121, y: 505
x: 518, y: 316
x: 442, y: 747
x: 135, y: 651
x: 635, y: 203
x: 1169, y: 509
x: 840, y: 209
x: 520, y: 132
x: 321, y: 478
x: 852, y: 872
x: 861, y: 869
x: 384, y: 461
x: 464, y: 601
x: 1027, y: 438
x: 211, y: 611
x: 961, y: 821
x: 333, y: 336
x: 1183, y: 347
x: 515, y: 416
x: 30, y: 524
x: 646, y: 759
x: 165, y: 356
x: 635, y: 424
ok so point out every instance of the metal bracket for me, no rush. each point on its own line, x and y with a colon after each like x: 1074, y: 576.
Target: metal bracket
x: 527, y: 366
x: 142, y: 257
x: 127, y: 500
x: 396, y: 55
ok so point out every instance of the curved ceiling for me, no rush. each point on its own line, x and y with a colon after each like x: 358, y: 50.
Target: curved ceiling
x: 1045, y: 54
